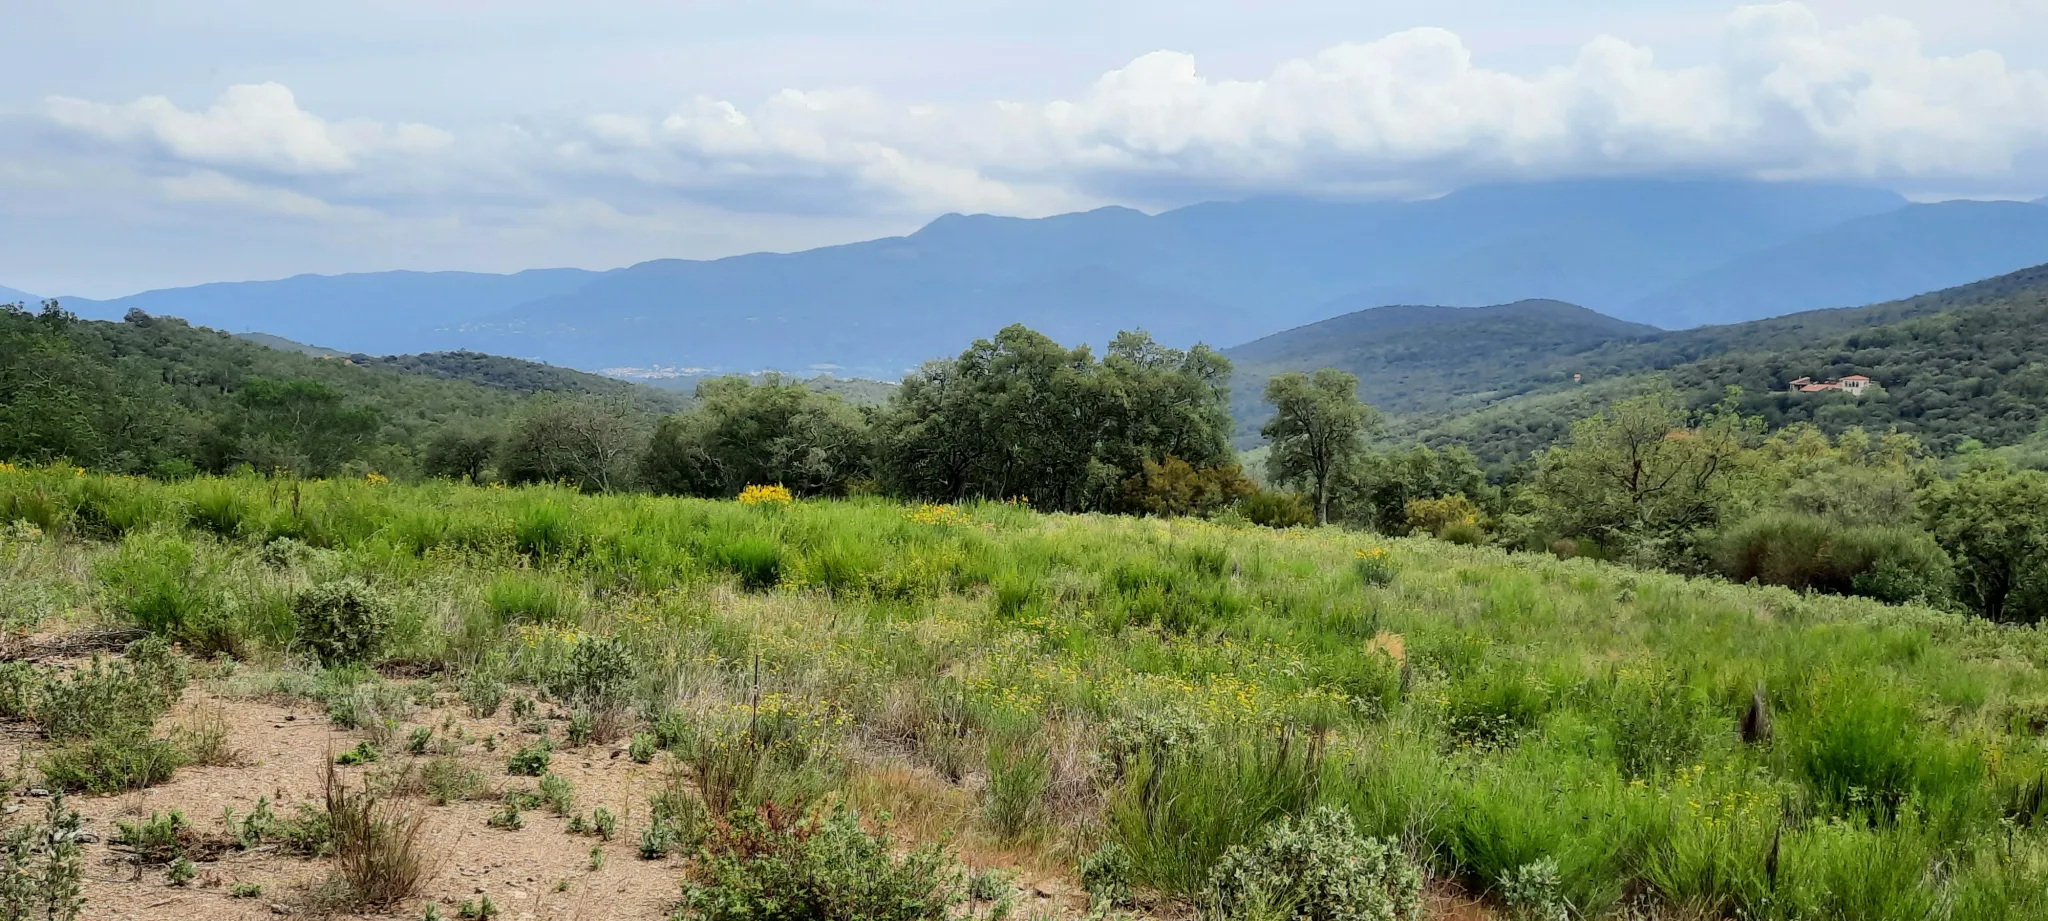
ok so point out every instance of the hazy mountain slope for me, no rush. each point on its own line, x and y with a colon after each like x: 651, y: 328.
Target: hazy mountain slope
x: 1217, y: 272
x: 1430, y: 359
x: 1877, y: 258
x: 17, y: 296
x: 1967, y: 362
x: 374, y: 313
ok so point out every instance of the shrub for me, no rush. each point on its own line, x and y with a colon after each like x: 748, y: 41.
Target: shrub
x: 41, y: 867
x: 642, y: 748
x: 1374, y: 566
x: 1433, y: 516
x: 1534, y: 892
x: 483, y: 692
x: 114, y: 764
x: 1805, y: 552
x: 156, y: 840
x: 1317, y: 869
x: 557, y: 793
x: 766, y: 864
x: 103, y: 715
x: 530, y: 760
x: 342, y: 623
x: 1270, y: 509
x: 21, y: 685
x: 1106, y: 875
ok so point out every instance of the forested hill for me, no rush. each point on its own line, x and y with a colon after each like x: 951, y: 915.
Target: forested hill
x: 1969, y: 363
x: 1413, y: 359
x: 517, y: 375
x: 156, y: 394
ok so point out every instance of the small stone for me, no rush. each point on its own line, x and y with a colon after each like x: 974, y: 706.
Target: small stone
x: 87, y: 838
x: 38, y: 792
x: 291, y: 717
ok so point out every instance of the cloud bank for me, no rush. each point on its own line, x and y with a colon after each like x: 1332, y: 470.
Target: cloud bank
x: 1782, y: 96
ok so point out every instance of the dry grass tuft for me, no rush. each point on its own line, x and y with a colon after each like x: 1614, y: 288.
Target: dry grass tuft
x: 379, y: 850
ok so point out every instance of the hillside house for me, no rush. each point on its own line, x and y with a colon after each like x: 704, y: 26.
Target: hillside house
x: 1854, y: 385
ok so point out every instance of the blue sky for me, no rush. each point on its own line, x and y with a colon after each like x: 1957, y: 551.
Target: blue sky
x: 152, y: 145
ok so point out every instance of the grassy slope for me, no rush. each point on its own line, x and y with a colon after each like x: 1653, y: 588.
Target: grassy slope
x: 1568, y: 711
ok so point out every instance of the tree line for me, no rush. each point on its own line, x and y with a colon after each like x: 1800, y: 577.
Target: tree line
x: 1653, y: 480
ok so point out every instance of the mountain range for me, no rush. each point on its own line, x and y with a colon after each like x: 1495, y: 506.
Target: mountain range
x: 1667, y: 254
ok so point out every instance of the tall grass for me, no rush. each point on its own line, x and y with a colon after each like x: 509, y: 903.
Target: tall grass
x: 1517, y: 722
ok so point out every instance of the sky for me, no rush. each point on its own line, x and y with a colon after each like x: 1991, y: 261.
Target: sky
x: 152, y: 145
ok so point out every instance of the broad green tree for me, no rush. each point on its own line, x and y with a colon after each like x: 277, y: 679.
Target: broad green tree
x: 1318, y: 427
x: 1646, y: 475
x: 1020, y: 416
x: 586, y: 442
x: 1993, y: 520
x: 743, y: 432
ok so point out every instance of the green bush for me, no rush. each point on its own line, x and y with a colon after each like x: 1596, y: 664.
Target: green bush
x: 821, y: 867
x: 1273, y: 509
x: 21, y: 684
x: 1317, y: 869
x: 42, y: 869
x: 119, y: 698
x: 114, y: 764
x: 1805, y: 552
x: 156, y: 578
x: 342, y: 623
x: 530, y: 760
x: 1106, y: 875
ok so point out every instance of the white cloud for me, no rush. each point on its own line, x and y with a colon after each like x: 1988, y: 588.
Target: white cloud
x: 209, y: 187
x: 1784, y: 98
x: 1781, y: 96
x: 251, y: 125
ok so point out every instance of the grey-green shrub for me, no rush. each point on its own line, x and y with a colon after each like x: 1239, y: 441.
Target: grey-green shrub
x: 1320, y: 868
x: 342, y: 623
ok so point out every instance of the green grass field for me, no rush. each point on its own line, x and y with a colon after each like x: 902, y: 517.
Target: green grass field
x: 1561, y: 738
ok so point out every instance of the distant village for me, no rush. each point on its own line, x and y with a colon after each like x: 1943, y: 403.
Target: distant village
x: 1854, y: 384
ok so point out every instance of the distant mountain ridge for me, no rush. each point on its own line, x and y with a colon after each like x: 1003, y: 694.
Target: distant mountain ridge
x: 17, y: 296
x: 1663, y: 253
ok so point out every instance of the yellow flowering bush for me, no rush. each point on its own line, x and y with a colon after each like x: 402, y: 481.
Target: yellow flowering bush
x: 376, y: 479
x: 775, y: 495
x: 1375, y: 566
x: 937, y: 514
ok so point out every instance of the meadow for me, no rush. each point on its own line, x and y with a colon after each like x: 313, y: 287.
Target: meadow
x: 1179, y: 715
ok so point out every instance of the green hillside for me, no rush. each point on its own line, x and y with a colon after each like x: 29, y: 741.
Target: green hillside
x: 156, y: 394
x: 1968, y: 363
x: 1413, y: 359
x: 517, y: 375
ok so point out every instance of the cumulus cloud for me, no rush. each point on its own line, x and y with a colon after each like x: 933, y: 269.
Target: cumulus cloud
x: 251, y: 125
x: 1782, y: 96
